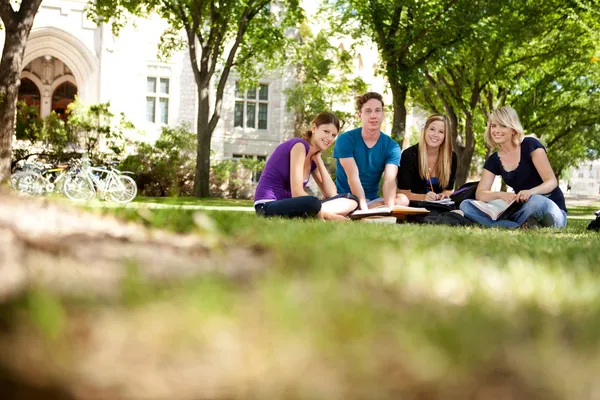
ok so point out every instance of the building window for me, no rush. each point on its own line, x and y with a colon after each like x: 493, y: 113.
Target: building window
x: 251, y: 107
x: 255, y: 174
x: 157, y: 100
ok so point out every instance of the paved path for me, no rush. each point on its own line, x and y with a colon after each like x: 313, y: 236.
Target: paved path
x: 571, y: 201
x: 582, y: 201
x: 136, y: 205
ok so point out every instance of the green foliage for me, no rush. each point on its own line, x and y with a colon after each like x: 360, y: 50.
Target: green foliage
x: 97, y: 128
x: 51, y: 133
x: 28, y: 125
x: 409, y: 35
x: 165, y: 168
x: 530, y: 55
x: 232, y: 178
x: 91, y: 129
x: 56, y: 133
x: 171, y: 41
x: 559, y: 102
x: 326, y: 80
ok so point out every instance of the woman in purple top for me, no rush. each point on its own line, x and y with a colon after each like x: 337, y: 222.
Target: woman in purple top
x: 280, y: 191
x: 523, y: 164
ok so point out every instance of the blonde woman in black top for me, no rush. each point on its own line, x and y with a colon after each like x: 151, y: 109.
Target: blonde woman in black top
x: 428, y: 169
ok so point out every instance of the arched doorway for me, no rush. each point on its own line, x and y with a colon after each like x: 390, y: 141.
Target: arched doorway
x: 30, y: 94
x: 47, y: 44
x: 63, y: 95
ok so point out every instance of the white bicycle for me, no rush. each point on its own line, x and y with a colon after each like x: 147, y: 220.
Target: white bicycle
x: 106, y: 183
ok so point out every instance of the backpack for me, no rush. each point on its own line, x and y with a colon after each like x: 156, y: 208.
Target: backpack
x: 434, y: 210
x: 449, y: 218
x: 595, y: 223
x: 465, y: 192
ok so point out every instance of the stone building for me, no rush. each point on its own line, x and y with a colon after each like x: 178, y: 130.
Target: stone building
x: 67, y: 54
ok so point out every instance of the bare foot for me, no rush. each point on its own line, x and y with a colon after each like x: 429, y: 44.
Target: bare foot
x: 329, y: 216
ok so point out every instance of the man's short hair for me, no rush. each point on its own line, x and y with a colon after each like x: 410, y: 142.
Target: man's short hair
x: 361, y: 100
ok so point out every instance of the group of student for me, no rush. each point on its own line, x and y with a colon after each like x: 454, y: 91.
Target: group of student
x: 425, y: 171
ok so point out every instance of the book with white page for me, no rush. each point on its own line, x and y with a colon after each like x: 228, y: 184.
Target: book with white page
x: 385, y: 210
x: 445, y: 201
x: 379, y: 220
x: 495, y: 208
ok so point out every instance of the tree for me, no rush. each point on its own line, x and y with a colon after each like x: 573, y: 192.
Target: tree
x: 560, y: 106
x: 515, y: 49
x: 17, y: 24
x: 220, y: 35
x: 95, y: 128
x: 325, y: 79
x: 408, y: 34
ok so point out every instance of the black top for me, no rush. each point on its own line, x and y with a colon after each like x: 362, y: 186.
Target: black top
x: 410, y: 179
x: 525, y: 176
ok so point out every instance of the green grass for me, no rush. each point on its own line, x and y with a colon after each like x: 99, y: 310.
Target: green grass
x: 397, y: 311
x: 211, y: 201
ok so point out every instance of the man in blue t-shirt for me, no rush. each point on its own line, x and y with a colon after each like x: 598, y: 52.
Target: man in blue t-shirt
x: 364, y: 153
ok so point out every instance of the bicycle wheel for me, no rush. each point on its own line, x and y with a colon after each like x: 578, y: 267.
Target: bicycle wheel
x: 124, y: 190
x: 28, y: 183
x: 77, y: 187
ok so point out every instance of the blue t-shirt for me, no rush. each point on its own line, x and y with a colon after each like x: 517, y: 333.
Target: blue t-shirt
x: 371, y: 162
x: 525, y: 176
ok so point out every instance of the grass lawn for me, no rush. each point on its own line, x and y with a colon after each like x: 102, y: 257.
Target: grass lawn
x: 353, y: 310
x: 194, y: 201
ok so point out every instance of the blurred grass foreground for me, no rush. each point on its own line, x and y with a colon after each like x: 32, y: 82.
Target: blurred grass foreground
x: 334, y: 311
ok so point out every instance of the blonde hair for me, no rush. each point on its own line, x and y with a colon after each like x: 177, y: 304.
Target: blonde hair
x: 443, y: 165
x: 508, y: 117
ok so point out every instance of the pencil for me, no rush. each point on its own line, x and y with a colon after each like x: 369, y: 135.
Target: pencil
x: 430, y: 184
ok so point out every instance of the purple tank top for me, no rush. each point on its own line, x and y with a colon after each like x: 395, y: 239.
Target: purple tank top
x: 274, y: 183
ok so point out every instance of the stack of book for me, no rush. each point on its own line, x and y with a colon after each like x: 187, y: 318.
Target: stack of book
x: 385, y: 211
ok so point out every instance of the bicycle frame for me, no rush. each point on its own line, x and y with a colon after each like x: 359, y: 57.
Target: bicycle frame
x: 105, y: 185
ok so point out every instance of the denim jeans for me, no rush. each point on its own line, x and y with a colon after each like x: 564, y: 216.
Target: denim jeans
x: 544, y: 210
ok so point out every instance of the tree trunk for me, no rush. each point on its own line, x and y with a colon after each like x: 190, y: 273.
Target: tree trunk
x: 465, y: 153
x: 204, y: 135
x: 10, y: 70
x: 17, y: 25
x: 399, y: 92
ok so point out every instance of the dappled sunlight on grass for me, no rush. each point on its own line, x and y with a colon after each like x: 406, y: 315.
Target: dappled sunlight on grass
x: 349, y: 310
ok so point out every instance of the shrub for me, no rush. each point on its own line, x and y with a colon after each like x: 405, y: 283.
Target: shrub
x: 165, y: 168
x: 93, y: 130
x: 233, y: 178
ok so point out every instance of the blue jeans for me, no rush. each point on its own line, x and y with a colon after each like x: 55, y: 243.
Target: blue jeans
x: 544, y: 210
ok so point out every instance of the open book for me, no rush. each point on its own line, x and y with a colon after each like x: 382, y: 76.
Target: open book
x: 495, y: 209
x: 445, y: 201
x: 396, y: 211
x: 380, y: 220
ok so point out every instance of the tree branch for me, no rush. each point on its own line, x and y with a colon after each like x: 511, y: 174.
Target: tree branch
x: 7, y: 13
x: 395, y: 23
x: 191, y: 36
x: 243, y: 24
x: 449, y: 109
x: 28, y: 9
